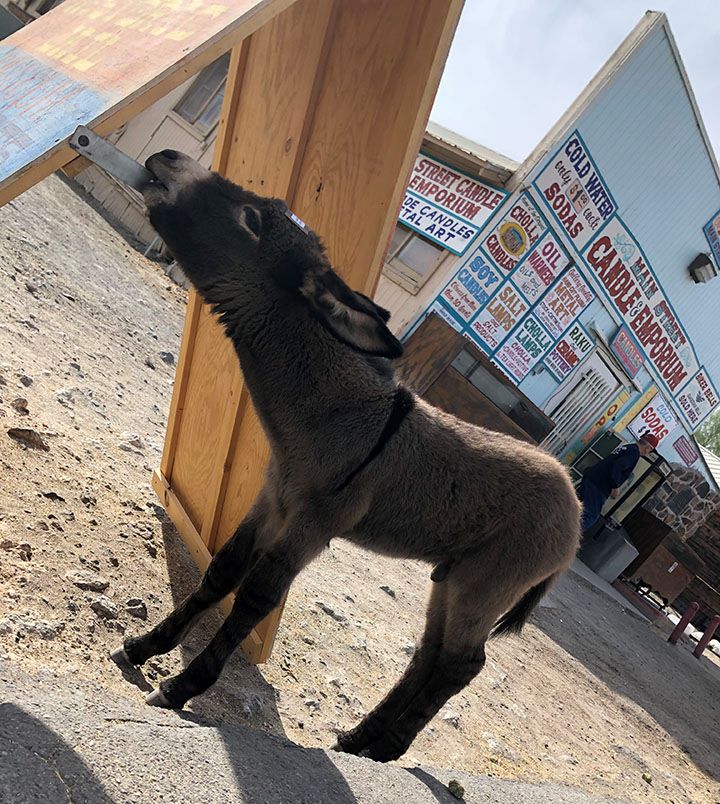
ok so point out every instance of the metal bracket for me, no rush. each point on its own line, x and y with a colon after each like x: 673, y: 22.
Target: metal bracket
x: 111, y: 159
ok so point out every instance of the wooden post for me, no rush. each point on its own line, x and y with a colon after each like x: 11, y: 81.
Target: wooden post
x: 325, y: 107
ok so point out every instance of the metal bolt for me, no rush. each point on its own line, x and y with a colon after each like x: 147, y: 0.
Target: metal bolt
x: 84, y: 140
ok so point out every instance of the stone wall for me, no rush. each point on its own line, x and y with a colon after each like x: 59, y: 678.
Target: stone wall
x: 684, y: 501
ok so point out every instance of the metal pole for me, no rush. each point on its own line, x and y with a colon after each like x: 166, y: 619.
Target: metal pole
x: 707, y: 636
x: 679, y: 629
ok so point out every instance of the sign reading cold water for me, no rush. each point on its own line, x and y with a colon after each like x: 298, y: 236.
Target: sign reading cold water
x: 526, y: 346
x: 564, y: 302
x: 617, y: 261
x: 500, y: 315
x: 446, y: 206
x: 574, y: 346
x: 697, y: 399
x: 471, y: 287
x: 656, y: 418
x: 575, y: 192
x: 515, y: 234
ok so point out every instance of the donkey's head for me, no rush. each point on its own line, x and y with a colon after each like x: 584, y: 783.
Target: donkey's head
x: 229, y: 240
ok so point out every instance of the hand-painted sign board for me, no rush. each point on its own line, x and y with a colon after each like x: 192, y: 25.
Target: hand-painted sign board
x: 98, y: 64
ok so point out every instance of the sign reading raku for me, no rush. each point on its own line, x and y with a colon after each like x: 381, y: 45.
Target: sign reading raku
x: 574, y: 346
x: 575, y: 192
x: 446, y: 206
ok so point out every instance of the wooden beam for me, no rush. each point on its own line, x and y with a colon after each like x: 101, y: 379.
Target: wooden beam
x: 100, y: 65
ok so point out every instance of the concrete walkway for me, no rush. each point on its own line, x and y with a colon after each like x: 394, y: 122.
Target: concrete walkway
x: 63, y: 739
x: 578, y: 568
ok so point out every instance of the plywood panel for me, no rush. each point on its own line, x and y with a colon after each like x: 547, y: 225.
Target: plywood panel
x: 99, y: 64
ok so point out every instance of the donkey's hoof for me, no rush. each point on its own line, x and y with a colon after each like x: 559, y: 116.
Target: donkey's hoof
x: 120, y: 657
x: 157, y: 698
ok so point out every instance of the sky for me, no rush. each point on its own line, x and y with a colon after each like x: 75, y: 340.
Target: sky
x: 515, y: 67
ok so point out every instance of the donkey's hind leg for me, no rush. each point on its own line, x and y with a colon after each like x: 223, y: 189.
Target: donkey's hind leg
x: 374, y: 724
x: 222, y: 575
x: 477, y: 597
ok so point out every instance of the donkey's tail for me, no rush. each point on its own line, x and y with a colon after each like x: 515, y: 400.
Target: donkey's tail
x: 513, y: 621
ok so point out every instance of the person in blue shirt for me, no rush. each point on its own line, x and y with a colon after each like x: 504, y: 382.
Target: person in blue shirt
x: 604, y: 479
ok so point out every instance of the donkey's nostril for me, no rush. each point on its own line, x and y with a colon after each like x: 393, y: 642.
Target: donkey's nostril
x: 168, y: 153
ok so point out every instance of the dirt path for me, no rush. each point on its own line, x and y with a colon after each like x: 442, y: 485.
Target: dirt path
x: 591, y: 696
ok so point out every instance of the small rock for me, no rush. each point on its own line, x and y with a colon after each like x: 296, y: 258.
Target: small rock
x: 646, y: 777
x: 20, y: 404
x: 150, y: 547
x: 25, y: 551
x: 408, y: 648
x: 149, y: 363
x: 88, y: 581
x: 308, y: 640
x: 452, y: 718
x: 31, y: 289
x: 105, y: 608
x: 167, y: 357
x: 7, y: 544
x: 88, y: 499
x: 24, y: 625
x: 25, y: 380
x: 568, y: 759
x: 41, y: 524
x: 336, y: 615
x: 66, y: 396
x: 456, y: 789
x: 388, y: 590
x: 136, y: 606
x: 28, y: 437
x: 131, y: 442
x: 52, y: 495
x: 311, y: 703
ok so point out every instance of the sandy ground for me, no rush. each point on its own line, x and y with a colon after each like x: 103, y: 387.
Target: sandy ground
x: 590, y: 696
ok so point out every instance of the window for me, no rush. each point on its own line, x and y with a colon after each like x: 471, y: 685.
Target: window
x: 412, y: 259
x: 202, y: 103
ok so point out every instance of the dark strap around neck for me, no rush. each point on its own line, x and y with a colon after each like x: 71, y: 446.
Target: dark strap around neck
x: 403, y: 402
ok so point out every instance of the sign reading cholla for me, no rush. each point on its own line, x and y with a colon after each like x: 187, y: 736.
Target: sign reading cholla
x: 445, y: 206
x: 515, y: 234
x: 524, y: 348
x: 697, y: 399
x: 619, y: 264
x: 575, y: 192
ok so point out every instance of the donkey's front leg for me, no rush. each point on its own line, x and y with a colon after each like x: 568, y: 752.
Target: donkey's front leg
x: 224, y: 573
x: 258, y: 595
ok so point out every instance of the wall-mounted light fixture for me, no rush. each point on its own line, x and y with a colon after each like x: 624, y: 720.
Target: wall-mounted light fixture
x: 702, y: 268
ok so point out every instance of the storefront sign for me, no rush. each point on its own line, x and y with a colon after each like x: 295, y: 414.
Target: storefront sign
x: 698, y: 399
x: 656, y: 418
x: 498, y: 318
x: 515, y: 234
x: 564, y: 302
x: 608, y: 415
x: 686, y: 451
x: 446, y: 206
x: 438, y: 309
x: 626, y: 350
x: 524, y: 348
x: 575, y: 192
x: 471, y: 287
x: 574, y: 346
x: 620, y: 266
x: 712, y: 232
x: 541, y: 268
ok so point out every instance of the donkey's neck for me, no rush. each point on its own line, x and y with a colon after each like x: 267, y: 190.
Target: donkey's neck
x: 300, y: 377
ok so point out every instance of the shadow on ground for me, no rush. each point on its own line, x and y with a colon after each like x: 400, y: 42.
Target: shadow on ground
x: 634, y: 660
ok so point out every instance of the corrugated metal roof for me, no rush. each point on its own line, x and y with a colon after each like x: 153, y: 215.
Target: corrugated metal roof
x: 456, y: 140
x: 712, y: 461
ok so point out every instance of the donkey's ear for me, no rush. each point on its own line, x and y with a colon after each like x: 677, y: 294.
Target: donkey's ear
x: 351, y: 317
x: 250, y: 220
